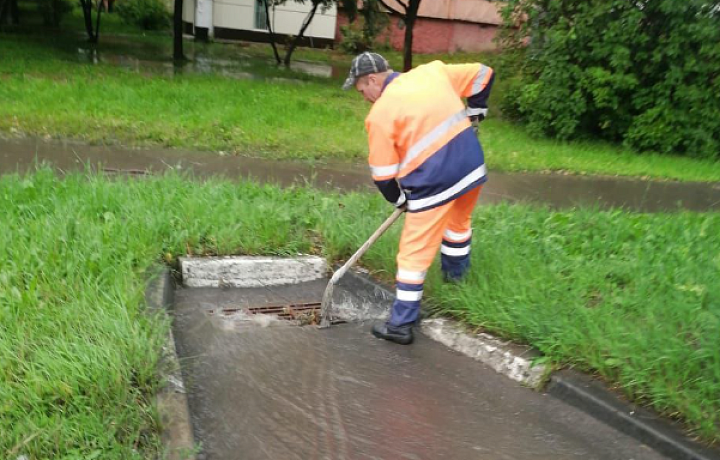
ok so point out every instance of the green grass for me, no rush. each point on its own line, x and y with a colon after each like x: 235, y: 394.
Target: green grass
x: 248, y: 117
x: 50, y: 89
x: 633, y: 297
x: 509, y: 147
x: 77, y: 355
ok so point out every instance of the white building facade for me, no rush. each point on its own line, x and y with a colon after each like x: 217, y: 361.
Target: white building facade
x: 246, y: 20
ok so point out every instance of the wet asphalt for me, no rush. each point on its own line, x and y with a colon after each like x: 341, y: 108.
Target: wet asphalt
x: 261, y: 389
x: 555, y: 190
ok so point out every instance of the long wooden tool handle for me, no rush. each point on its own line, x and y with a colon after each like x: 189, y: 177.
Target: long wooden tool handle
x: 326, y: 305
x: 378, y: 233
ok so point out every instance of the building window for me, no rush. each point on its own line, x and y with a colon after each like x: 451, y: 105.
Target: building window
x: 260, y: 16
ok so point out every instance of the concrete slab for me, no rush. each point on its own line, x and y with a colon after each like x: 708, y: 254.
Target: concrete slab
x: 269, y: 390
x: 247, y: 271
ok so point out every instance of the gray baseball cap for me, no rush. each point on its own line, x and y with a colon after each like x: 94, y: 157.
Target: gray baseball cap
x: 365, y: 64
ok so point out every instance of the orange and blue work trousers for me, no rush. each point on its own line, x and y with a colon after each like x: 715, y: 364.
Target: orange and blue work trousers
x: 448, y: 228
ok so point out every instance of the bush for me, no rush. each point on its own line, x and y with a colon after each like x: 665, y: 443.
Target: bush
x: 53, y: 11
x: 353, y: 39
x: 364, y: 28
x: 147, y: 14
x: 645, y: 72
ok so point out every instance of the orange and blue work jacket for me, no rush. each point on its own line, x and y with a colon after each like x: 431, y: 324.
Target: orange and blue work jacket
x: 423, y: 150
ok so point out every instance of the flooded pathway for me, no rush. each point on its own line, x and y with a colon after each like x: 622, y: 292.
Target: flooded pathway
x: 277, y: 391
x: 230, y: 60
x: 556, y: 190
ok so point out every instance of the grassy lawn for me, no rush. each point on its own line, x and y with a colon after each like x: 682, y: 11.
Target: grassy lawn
x: 255, y: 109
x: 635, y: 298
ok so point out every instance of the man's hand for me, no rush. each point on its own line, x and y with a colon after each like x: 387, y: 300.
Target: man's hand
x: 401, y: 203
x: 475, y: 123
x: 476, y: 116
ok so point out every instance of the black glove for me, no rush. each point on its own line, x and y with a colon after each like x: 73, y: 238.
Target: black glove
x: 476, y: 119
x: 475, y: 122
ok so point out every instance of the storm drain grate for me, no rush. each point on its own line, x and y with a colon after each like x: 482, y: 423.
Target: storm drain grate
x: 306, y: 313
x: 288, y: 311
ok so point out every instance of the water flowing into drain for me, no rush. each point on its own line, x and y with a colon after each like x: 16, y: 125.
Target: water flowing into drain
x: 303, y: 313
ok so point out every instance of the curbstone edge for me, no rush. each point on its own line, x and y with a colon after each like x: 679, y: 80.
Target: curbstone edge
x: 171, y: 400
x: 643, y: 424
x: 581, y: 391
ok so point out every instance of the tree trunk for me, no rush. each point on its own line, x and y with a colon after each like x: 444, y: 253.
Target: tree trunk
x: 410, y: 17
x: 4, y: 14
x: 178, y: 54
x: 14, y: 12
x: 97, y: 22
x: 304, y: 27
x: 407, y: 46
x: 87, y: 15
x: 270, y: 31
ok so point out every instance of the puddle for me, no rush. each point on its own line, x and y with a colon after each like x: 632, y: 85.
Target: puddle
x: 228, y: 60
x: 272, y: 391
x: 558, y: 191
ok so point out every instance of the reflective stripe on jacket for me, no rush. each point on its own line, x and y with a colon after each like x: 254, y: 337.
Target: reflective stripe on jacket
x: 420, y: 135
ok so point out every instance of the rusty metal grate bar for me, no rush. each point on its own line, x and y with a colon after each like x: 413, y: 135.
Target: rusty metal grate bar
x: 287, y: 311
x: 303, y: 312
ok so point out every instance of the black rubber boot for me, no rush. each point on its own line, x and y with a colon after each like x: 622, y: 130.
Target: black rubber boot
x: 398, y: 334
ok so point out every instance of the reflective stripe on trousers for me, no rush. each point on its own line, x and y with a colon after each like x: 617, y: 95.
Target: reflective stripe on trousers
x: 447, y: 228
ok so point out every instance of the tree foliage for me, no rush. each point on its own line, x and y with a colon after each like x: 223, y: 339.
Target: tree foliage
x: 9, y: 12
x: 53, y: 11
x: 646, y: 72
x: 365, y: 25
x: 146, y: 14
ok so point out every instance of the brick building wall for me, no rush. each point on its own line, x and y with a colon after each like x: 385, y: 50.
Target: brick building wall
x: 434, y: 35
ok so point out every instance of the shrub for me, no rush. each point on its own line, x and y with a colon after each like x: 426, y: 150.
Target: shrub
x: 147, y: 14
x: 645, y: 72
x: 353, y: 41
x: 361, y: 34
x: 53, y: 11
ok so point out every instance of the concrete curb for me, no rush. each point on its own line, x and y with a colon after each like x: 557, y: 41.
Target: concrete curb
x: 643, y: 424
x: 250, y: 271
x: 172, y: 404
x: 509, y: 359
x: 515, y: 361
x: 512, y: 360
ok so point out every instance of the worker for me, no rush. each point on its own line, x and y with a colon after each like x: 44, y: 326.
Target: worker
x: 425, y: 157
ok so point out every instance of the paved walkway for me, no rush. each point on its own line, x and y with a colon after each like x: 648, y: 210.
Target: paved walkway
x: 283, y: 392
x: 555, y: 190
